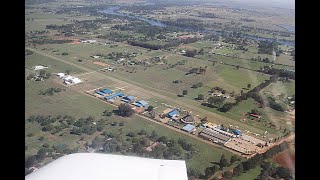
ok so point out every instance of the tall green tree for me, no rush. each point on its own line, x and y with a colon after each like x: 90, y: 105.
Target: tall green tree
x: 217, y: 101
x: 223, y: 161
x: 42, y: 72
x: 97, y: 142
x: 208, y: 172
x: 153, y: 135
x: 226, y: 107
x: 125, y: 110
x: 227, y: 175
x: 233, y: 159
x: 238, y: 170
x: 41, y: 154
x: 150, y: 108
x: 200, y: 96
x: 32, y: 160
x: 184, y: 92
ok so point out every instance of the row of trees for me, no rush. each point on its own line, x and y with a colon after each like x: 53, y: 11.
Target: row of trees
x: 136, y: 143
x: 254, y: 93
x: 57, y: 124
x: 159, y: 46
x: 28, y: 52
x: 216, y: 101
x: 278, y: 72
x: 269, y: 171
x: 117, y: 37
x: 267, y: 47
x: 197, y: 85
x: 40, y: 41
x: 209, y: 171
x: 78, y: 26
x: 197, y: 70
x: 266, y: 60
x: 50, y: 91
x: 46, y: 151
x: 259, y: 160
x: 208, y: 15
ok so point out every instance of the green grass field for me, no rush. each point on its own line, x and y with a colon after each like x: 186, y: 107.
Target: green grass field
x: 78, y: 105
x: 249, y: 175
x: 224, y: 50
x: 55, y: 66
x: 268, y: 114
x: 201, y: 44
x: 279, y: 87
x: 234, y: 80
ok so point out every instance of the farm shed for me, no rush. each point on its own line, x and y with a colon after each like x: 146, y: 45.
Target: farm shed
x: 173, y: 113
x: 116, y: 95
x: 128, y: 98
x: 142, y: 103
x: 213, y: 135
x: 237, y: 132
x: 189, y: 128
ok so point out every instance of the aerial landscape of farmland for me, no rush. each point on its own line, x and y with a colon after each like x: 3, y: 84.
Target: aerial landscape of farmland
x: 211, y: 83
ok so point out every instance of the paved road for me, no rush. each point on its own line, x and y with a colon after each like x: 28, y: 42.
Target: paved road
x: 186, y: 104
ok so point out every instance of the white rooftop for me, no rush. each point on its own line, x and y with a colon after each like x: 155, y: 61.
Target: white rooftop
x: 61, y: 75
x: 39, y: 67
x: 84, y: 166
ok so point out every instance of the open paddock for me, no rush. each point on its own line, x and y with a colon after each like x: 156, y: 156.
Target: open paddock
x: 54, y: 66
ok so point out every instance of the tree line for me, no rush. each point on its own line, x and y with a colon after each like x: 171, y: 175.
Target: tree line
x: 285, y: 73
x: 158, y: 46
x: 50, y: 91
x: 254, y: 94
x: 209, y: 171
x: 41, y: 40
x: 267, y: 47
x: 260, y: 160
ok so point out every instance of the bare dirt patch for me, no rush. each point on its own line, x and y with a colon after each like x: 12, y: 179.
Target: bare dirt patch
x: 75, y: 42
x: 100, y: 63
x: 285, y: 159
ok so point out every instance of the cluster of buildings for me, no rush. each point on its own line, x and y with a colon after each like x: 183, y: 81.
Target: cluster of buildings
x: 228, y: 137
x: 110, y: 96
x: 232, y: 138
x: 69, y: 80
x: 215, y: 134
x: 187, y: 120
